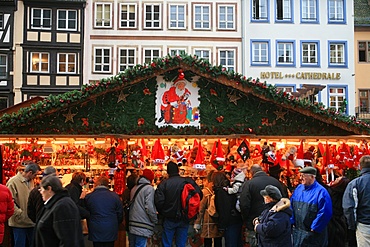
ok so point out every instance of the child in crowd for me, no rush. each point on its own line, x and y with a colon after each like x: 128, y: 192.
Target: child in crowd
x: 237, y: 180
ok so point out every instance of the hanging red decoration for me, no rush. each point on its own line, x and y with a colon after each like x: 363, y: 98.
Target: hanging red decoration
x: 85, y: 121
x: 140, y: 121
x: 213, y: 92
x: 220, y: 119
x: 181, y: 74
x: 146, y: 91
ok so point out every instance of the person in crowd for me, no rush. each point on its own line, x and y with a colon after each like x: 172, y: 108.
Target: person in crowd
x: 312, y: 211
x: 6, y: 209
x: 77, y: 193
x: 251, y: 201
x: 35, y: 202
x: 59, y: 223
x: 143, y: 214
x: 229, y: 221
x: 20, y: 186
x: 131, y: 182
x: 337, y: 228
x: 168, y: 203
x: 356, y: 203
x: 204, y: 222
x: 106, y: 213
x: 273, y: 225
x: 275, y: 172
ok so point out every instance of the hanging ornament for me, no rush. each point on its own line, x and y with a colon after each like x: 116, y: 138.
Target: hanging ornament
x: 199, y: 159
x: 69, y: 116
x: 220, y: 119
x: 233, y: 98
x: 213, y: 92
x: 181, y: 74
x: 158, y: 153
x: 122, y: 97
x: 280, y: 114
x: 243, y: 151
x: 85, y: 121
x: 146, y: 91
x: 140, y: 121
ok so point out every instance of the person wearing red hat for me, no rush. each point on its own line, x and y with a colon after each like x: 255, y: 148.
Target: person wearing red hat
x: 143, y: 214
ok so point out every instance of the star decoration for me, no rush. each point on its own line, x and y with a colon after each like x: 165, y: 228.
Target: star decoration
x: 69, y: 116
x: 233, y: 98
x: 280, y: 114
x: 122, y: 97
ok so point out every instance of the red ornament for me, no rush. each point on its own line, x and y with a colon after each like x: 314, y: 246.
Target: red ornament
x: 140, y: 121
x: 85, y: 121
x: 220, y: 119
x: 146, y: 91
x: 213, y: 92
x: 181, y: 74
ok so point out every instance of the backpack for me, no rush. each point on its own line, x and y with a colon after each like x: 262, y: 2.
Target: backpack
x: 190, y: 201
x: 127, y: 205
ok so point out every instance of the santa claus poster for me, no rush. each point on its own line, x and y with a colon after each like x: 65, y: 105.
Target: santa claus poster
x: 177, y: 103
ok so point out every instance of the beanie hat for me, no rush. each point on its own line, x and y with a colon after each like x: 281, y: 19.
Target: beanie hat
x: 272, y: 192
x: 148, y: 174
x: 172, y: 168
x: 236, y: 171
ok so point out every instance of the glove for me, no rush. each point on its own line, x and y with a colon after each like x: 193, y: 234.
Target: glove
x: 255, y: 221
x: 174, y: 104
x: 196, y: 228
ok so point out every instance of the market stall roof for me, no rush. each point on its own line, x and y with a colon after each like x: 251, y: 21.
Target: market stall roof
x: 230, y: 104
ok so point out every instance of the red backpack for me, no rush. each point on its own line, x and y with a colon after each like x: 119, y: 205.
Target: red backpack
x: 190, y: 201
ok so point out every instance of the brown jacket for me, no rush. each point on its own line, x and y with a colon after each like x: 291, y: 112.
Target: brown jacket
x: 207, y: 223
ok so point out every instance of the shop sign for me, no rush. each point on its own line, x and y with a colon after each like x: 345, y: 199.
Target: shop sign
x: 301, y: 75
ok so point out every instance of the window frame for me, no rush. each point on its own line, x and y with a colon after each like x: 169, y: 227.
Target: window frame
x: 293, y: 56
x: 285, y: 86
x: 227, y: 6
x: 2, y: 21
x: 344, y: 13
x: 152, y: 21
x: 264, y: 19
x: 4, y: 66
x: 202, y: 21
x: 226, y: 66
x: 103, y: 20
x: 345, y: 56
x: 40, y: 62
x: 366, y: 50
x: 177, y: 21
x: 291, y: 6
x: 177, y: 51
x: 128, y: 5
x: 252, y: 51
x: 67, y: 63
x: 317, y: 43
x: 67, y: 20
x: 345, y: 95
x: 42, y: 19
x: 102, y: 64
x: 152, y: 57
x: 203, y: 50
x: 317, y: 13
x: 127, y: 65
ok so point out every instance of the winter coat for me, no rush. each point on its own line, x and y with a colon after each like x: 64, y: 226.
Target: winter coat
x: 20, y: 190
x: 106, y: 213
x: 60, y: 223
x: 237, y: 183
x: 251, y: 201
x: 6, y: 208
x: 35, y: 204
x: 356, y: 200
x: 143, y: 214
x: 274, y: 229
x: 167, y: 196
x: 75, y: 191
x: 312, y: 209
x: 204, y: 221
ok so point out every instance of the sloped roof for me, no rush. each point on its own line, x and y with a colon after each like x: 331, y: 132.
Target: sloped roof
x: 361, y: 12
x: 230, y: 103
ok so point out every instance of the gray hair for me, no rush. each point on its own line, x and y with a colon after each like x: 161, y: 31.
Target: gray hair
x: 365, y: 161
x: 52, y: 181
x: 33, y: 167
x: 50, y: 170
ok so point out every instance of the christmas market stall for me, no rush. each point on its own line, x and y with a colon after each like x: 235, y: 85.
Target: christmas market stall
x: 184, y: 109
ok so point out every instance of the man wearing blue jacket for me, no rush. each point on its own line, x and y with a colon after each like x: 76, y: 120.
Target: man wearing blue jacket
x: 312, y: 211
x: 356, y: 203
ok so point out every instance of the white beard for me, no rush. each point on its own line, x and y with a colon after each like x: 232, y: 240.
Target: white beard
x: 180, y: 92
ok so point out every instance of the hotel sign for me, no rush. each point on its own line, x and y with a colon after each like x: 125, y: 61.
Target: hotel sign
x: 301, y: 75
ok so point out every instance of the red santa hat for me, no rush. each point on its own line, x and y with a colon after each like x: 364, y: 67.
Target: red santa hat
x: 199, y: 159
x: 158, y: 153
x: 220, y: 156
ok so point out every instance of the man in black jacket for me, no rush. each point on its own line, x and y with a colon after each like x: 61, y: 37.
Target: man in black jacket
x: 168, y: 203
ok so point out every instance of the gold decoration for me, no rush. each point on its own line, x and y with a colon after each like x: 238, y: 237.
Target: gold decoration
x: 280, y: 114
x: 233, y: 98
x: 122, y: 97
x: 69, y: 116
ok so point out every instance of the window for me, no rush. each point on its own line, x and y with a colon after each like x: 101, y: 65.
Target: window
x: 288, y: 89
x: 3, y: 66
x: 260, y: 10
x: 260, y: 52
x: 103, y: 15
x: 205, y: 54
x: 66, y: 63
x: 284, y: 10
x: 150, y: 54
x: 310, y: 53
x: 39, y: 62
x: 227, y: 59
x: 177, y: 16
x: 128, y: 15
x: 226, y: 15
x: 152, y: 16
x: 364, y: 101
x: 126, y: 58
x: 41, y: 18
x: 337, y: 54
x: 285, y: 53
x: 309, y: 10
x: 1, y: 21
x: 364, y: 51
x: 336, y: 11
x: 176, y: 52
x: 67, y: 19
x: 3, y: 103
x: 102, y: 60
x: 336, y: 97
x: 202, y: 17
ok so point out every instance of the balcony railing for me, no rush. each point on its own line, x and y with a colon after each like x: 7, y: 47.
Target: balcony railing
x: 362, y: 112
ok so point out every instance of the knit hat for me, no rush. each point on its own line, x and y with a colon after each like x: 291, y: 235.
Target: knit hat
x: 172, y: 168
x: 148, y: 174
x: 309, y: 170
x: 272, y: 192
x: 236, y: 171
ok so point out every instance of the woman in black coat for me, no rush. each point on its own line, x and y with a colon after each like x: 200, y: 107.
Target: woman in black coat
x: 59, y: 223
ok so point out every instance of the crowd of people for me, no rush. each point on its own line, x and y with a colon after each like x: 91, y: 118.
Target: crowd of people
x: 251, y: 206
